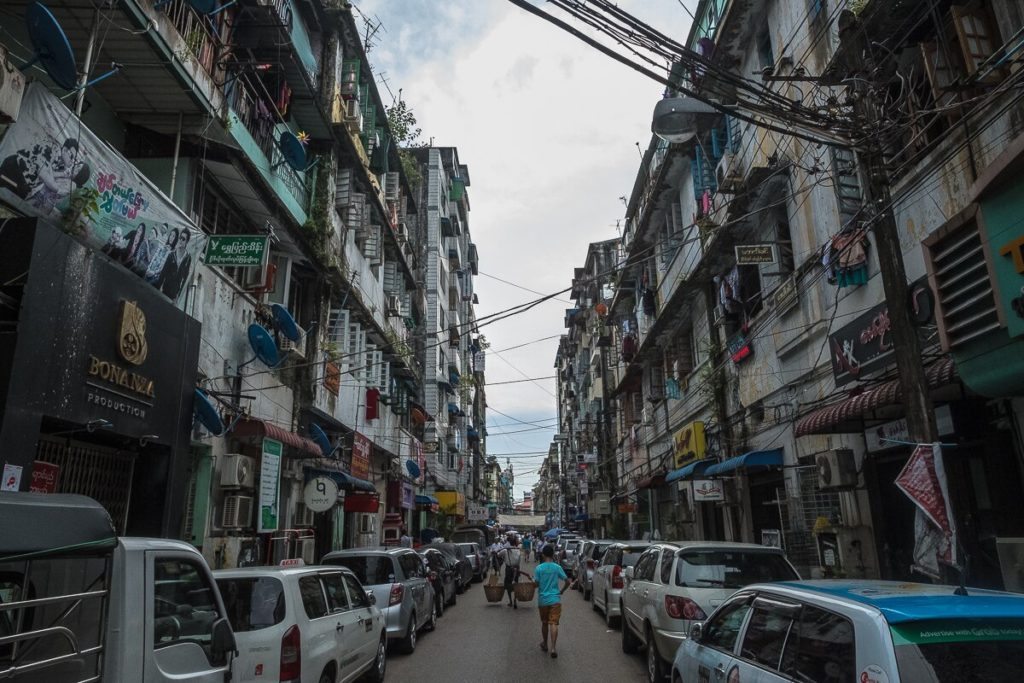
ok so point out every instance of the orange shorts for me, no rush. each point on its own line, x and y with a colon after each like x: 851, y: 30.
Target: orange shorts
x: 550, y: 614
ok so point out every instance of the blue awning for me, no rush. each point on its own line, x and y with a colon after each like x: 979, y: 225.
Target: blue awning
x: 695, y: 468
x: 426, y: 500
x: 747, y: 461
x: 344, y: 480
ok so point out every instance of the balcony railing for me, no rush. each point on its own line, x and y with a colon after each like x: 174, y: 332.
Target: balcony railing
x: 202, y: 43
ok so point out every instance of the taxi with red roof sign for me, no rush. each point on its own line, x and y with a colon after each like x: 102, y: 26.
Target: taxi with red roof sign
x: 857, y: 632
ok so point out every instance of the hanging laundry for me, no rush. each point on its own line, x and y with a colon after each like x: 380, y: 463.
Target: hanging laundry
x: 284, y: 99
x: 628, y: 348
x: 729, y: 296
x: 849, y: 257
x: 372, y: 403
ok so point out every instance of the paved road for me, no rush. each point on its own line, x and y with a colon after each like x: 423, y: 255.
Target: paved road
x: 478, y: 642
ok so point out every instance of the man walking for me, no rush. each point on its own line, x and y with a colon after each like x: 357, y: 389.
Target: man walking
x: 526, y: 547
x: 549, y: 598
x: 511, y: 557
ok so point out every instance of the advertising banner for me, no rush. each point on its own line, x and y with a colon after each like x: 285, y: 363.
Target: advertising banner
x: 53, y: 167
x: 361, y: 448
x: 270, y: 486
x: 923, y: 480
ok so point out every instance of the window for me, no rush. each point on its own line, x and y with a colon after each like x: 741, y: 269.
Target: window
x: 252, y: 603
x: 645, y: 567
x: 356, y: 593
x: 731, y: 569
x: 337, y: 600
x: 411, y: 565
x: 184, y: 608
x: 371, y: 570
x: 820, y: 648
x: 313, y: 597
x: 765, y: 53
x: 723, y: 629
x: 667, y: 558
x: 765, y: 637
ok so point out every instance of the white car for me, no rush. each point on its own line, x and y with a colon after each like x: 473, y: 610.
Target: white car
x: 857, y: 632
x: 302, y: 625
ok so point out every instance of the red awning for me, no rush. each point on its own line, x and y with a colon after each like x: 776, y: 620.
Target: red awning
x: 259, y: 428
x: 822, y: 421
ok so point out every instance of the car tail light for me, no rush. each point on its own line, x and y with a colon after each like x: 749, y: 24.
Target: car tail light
x: 617, y: 578
x: 683, y: 608
x: 397, y: 592
x: 291, y: 655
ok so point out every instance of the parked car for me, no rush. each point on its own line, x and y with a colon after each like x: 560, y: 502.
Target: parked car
x: 858, y: 631
x: 442, y: 570
x: 464, y: 577
x: 609, y: 578
x: 102, y: 607
x: 673, y: 586
x: 476, y: 559
x: 481, y: 534
x: 400, y: 586
x: 587, y: 560
x: 308, y: 624
x: 567, y: 555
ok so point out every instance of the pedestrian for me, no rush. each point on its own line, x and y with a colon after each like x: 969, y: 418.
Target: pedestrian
x: 406, y: 540
x: 492, y: 556
x: 549, y: 597
x: 526, y: 547
x: 512, y: 557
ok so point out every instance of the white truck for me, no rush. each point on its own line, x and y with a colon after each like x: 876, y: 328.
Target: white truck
x: 79, y: 604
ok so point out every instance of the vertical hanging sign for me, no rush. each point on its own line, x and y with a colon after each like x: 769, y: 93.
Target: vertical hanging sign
x: 270, y: 486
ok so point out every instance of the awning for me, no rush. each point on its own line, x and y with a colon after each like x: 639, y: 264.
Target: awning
x: 258, y: 428
x: 824, y: 420
x: 426, y: 500
x: 344, y: 480
x: 695, y: 468
x: 747, y: 461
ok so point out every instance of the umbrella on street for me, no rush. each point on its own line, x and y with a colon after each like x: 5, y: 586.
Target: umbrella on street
x: 551, y: 533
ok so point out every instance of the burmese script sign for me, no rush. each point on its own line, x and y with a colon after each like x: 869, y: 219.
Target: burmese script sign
x: 241, y: 251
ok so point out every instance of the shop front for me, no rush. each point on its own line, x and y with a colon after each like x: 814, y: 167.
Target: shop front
x: 96, y: 380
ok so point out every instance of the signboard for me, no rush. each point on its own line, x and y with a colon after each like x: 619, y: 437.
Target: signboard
x: 786, y: 295
x: 408, y: 496
x: 865, y: 344
x: 240, y: 251
x: 589, y: 457
x: 44, y: 477
x: 602, y: 503
x: 56, y: 169
x: 708, y: 490
x: 771, y: 538
x: 897, y: 431
x: 689, y: 443
x: 430, y: 447
x: 451, y: 502
x: 361, y: 449
x: 270, y: 486
x: 739, y: 348
x: 584, y: 487
x: 11, y: 478
x: 755, y: 254
x: 320, y: 494
x: 476, y: 513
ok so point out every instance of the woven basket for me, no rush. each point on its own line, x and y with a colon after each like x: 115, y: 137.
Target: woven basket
x: 494, y: 593
x: 524, y: 591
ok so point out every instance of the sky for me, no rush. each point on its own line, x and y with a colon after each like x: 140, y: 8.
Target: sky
x: 548, y: 127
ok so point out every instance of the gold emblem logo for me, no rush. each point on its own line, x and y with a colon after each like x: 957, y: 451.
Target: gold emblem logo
x: 131, y: 337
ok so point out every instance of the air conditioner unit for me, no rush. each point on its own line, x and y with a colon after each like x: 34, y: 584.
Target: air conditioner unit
x: 730, y: 181
x: 306, y: 549
x: 296, y: 349
x: 353, y: 116
x: 237, y: 512
x: 837, y: 469
x: 303, y: 516
x: 237, y: 471
x: 394, y: 305
x: 391, y: 187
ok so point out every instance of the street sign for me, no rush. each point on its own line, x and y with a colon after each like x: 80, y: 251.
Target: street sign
x: 755, y: 254
x: 241, y: 251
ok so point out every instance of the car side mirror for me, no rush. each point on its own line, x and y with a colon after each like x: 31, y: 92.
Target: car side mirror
x: 371, y: 597
x: 222, y: 640
x: 628, y: 573
x: 696, y: 631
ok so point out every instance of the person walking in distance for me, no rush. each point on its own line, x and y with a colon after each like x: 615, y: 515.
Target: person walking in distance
x: 549, y: 598
x: 511, y: 557
x: 526, y: 547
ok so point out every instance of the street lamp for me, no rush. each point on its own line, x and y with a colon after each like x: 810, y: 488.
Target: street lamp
x: 677, y: 119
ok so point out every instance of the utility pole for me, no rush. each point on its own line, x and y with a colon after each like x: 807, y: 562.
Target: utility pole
x: 917, y: 403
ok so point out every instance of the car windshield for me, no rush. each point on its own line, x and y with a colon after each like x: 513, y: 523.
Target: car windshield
x: 252, y: 603
x: 630, y: 557
x: 371, y: 570
x: 731, y: 568
x: 598, y: 552
x: 948, y: 650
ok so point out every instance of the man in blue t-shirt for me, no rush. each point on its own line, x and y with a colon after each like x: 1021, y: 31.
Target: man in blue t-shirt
x: 549, y: 598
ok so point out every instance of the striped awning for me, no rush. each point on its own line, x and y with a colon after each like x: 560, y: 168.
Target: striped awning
x: 247, y: 427
x: 824, y: 420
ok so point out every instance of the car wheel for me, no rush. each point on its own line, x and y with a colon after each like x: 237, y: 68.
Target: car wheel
x: 432, y: 622
x: 611, y: 621
x: 380, y: 664
x: 327, y: 677
x: 630, y: 644
x: 409, y: 641
x: 655, y: 666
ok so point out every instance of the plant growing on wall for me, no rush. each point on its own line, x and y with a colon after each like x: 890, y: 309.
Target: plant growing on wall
x: 406, y: 134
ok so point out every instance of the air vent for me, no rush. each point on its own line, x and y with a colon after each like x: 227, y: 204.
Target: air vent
x: 966, y: 303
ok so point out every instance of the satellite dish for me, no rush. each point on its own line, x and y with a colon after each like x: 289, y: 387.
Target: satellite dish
x: 203, y: 6
x: 206, y: 413
x: 263, y: 345
x: 412, y: 468
x: 320, y: 437
x: 51, y: 46
x: 677, y: 119
x: 292, y: 151
x: 286, y: 323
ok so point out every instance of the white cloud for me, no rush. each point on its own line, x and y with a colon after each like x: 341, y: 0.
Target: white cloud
x: 548, y: 128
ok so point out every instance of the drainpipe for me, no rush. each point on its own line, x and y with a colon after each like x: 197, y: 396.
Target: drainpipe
x: 174, y: 165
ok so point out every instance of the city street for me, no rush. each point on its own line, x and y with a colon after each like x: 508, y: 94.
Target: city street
x: 481, y: 642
